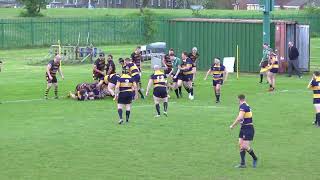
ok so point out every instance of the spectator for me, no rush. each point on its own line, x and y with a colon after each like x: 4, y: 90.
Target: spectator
x: 293, y: 60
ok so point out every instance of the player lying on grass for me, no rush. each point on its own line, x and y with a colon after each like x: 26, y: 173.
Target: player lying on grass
x: 90, y: 91
x: 315, y: 86
x: 159, y: 81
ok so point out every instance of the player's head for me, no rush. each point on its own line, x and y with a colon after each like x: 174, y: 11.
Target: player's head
x: 128, y: 60
x: 184, y: 55
x: 57, y: 58
x: 241, y: 98
x: 216, y: 60
x: 156, y: 67
x: 138, y: 49
x: 265, y: 45
x: 171, y: 52
x: 194, y: 50
x: 316, y: 73
x: 101, y: 55
x: 121, y: 61
x: 290, y: 44
x: 110, y: 57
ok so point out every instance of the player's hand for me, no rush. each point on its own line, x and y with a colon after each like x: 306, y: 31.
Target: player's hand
x: 231, y: 127
x: 50, y: 77
x: 115, y: 98
x: 175, y: 77
x: 147, y: 93
x: 62, y: 77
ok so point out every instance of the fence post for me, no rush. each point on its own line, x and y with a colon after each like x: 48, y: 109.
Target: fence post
x: 32, y: 32
x: 2, y: 33
x: 60, y: 30
x: 114, y: 30
x: 89, y: 38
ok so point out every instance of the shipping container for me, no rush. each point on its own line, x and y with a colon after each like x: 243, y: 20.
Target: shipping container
x: 220, y: 37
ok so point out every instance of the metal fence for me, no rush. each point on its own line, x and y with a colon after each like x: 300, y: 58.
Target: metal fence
x: 40, y: 32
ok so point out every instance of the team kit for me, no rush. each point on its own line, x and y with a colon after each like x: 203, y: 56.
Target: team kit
x: 174, y: 74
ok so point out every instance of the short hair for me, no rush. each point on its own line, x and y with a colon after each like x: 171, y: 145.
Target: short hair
x: 138, y: 47
x: 127, y: 59
x: 156, y: 67
x: 101, y: 54
x: 185, y: 53
x: 121, y: 60
x: 194, y: 49
x: 241, y: 97
x: 266, y: 44
x: 110, y: 55
x: 171, y: 49
x: 317, y: 73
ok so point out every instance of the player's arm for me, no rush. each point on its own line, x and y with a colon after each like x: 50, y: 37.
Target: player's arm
x: 97, y: 70
x: 209, y: 72
x: 148, y: 87
x: 177, y: 73
x: 225, y: 75
x: 60, y: 72
x: 311, y: 83
x: 116, y: 90
x: 135, y: 88
x: 110, y: 69
x: 48, y: 71
x: 238, y: 119
x: 164, y: 62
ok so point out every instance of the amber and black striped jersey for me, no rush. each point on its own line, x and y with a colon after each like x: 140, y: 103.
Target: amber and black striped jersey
x: 217, y: 71
x: 274, y: 66
x: 125, y: 83
x: 136, y: 58
x: 159, y: 79
x: 112, y: 78
x: 54, y: 67
x: 186, y: 63
x: 133, y: 69
x: 315, y: 86
x: 168, y: 61
x: 194, y: 57
x: 247, y: 119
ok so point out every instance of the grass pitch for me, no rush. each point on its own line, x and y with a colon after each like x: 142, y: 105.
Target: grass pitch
x: 67, y: 139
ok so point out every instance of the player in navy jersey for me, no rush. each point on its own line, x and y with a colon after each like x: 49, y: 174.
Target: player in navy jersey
x: 134, y: 72
x: 273, y: 70
x: 187, y: 74
x: 99, y: 67
x: 159, y: 81
x: 111, y: 81
x: 52, y: 68
x: 219, y: 75
x: 246, y: 131
x: 124, y: 93
x: 314, y: 85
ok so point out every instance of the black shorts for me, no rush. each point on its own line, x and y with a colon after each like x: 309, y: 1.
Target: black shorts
x: 160, y: 92
x: 246, y: 132
x: 98, y: 77
x: 275, y: 71
x: 125, y: 97
x: 215, y: 82
x: 187, y: 78
x: 53, y: 80
x: 136, y: 78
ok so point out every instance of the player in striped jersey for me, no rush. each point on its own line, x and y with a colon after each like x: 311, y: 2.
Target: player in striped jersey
x: 52, y: 68
x: 273, y: 70
x: 246, y: 132
x: 167, y: 62
x: 315, y: 86
x: 187, y: 74
x: 219, y: 75
x: 134, y: 72
x: 159, y: 82
x: 124, y: 93
x: 111, y: 81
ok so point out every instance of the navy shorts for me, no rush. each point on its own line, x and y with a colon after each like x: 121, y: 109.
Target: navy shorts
x: 136, y: 78
x: 186, y: 78
x: 53, y: 80
x: 125, y: 97
x: 160, y: 92
x: 275, y: 71
x: 246, y: 132
x: 215, y: 82
x: 98, y: 77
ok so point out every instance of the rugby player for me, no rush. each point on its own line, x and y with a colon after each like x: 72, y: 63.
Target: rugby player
x: 273, y: 70
x: 219, y: 75
x: 175, y: 74
x: 111, y: 81
x: 265, y: 61
x: 194, y: 55
x: 246, y: 132
x: 52, y: 68
x: 135, y: 74
x: 167, y: 62
x: 315, y: 86
x: 110, y: 66
x: 159, y: 81
x: 137, y: 58
x: 124, y: 94
x: 187, y: 74
x: 99, y: 67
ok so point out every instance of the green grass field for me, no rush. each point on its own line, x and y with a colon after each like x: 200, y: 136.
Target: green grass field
x: 67, y: 139
x: 100, y: 12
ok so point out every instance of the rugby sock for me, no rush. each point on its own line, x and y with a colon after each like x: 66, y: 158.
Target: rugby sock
x: 318, y: 119
x: 180, y: 90
x: 56, y: 91
x: 177, y: 92
x: 165, y: 106
x: 158, y: 108
x: 127, y: 115
x: 191, y: 91
x: 46, y: 93
x: 120, y: 113
x: 243, y: 156
x: 141, y: 94
x: 250, y: 151
x: 261, y: 78
x: 187, y: 89
x: 218, y: 96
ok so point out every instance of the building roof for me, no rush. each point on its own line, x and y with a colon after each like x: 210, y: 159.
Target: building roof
x: 253, y: 2
x: 252, y: 21
x: 297, y: 3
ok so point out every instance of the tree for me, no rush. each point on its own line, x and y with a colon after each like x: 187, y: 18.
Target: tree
x: 33, y: 7
x: 143, y: 5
